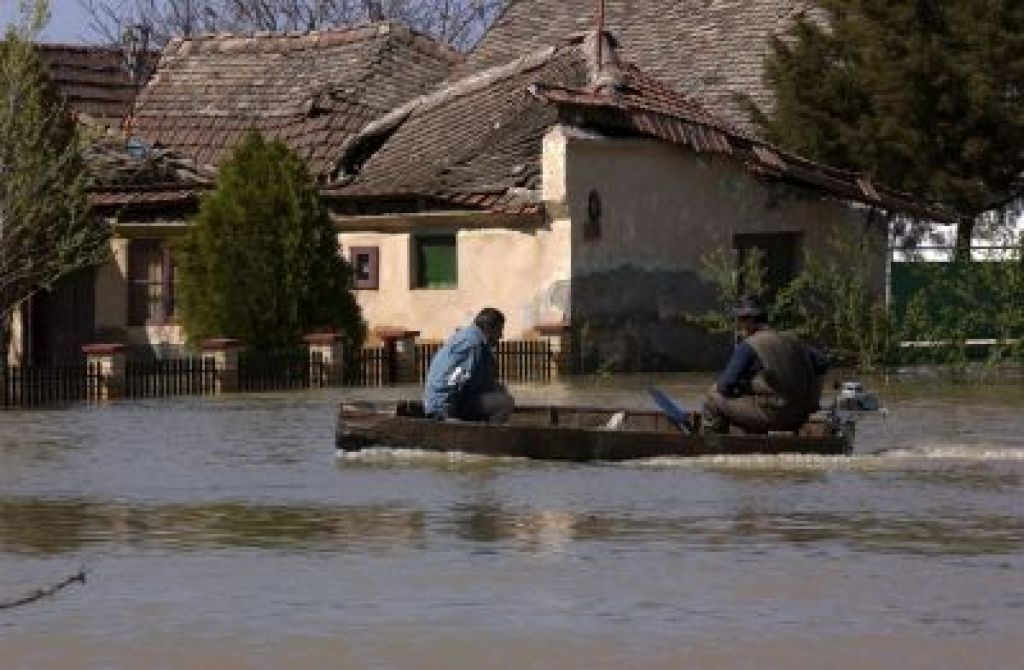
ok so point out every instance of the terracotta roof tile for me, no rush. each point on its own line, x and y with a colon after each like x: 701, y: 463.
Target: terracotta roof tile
x: 94, y: 80
x: 472, y: 142
x: 208, y: 90
x: 713, y: 49
x: 119, y: 176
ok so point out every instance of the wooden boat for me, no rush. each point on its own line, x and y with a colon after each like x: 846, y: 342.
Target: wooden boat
x: 563, y: 433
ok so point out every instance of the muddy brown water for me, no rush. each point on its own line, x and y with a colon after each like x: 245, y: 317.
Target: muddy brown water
x: 224, y: 533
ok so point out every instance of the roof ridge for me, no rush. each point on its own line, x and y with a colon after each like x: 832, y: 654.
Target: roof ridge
x: 226, y: 42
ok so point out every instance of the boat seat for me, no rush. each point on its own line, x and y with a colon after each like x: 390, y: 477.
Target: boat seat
x: 616, y: 422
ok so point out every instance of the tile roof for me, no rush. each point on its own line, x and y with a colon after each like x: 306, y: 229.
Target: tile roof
x: 640, y: 104
x: 138, y: 175
x: 95, y: 80
x: 710, y: 48
x: 477, y: 142
x: 312, y: 89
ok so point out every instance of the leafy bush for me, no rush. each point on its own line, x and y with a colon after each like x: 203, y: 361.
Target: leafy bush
x: 260, y: 261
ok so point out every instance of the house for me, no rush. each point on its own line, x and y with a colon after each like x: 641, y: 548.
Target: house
x: 99, y: 85
x: 312, y: 90
x: 561, y: 177
x: 573, y: 189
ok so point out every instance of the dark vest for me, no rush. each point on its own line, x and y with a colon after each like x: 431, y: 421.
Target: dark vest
x: 788, y: 373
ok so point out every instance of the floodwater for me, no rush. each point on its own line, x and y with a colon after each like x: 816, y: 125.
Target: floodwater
x: 224, y: 533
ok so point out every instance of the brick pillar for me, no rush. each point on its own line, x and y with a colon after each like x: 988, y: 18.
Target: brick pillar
x: 557, y: 335
x: 106, y: 380
x: 224, y: 354
x: 329, y: 350
x: 401, y: 346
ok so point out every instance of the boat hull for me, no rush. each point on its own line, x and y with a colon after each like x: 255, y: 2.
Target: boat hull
x: 566, y: 434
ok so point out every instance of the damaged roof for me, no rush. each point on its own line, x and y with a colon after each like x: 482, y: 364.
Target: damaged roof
x: 311, y: 90
x: 711, y: 49
x: 477, y: 142
x: 131, y: 174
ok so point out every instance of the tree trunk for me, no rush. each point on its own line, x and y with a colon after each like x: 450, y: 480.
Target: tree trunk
x: 964, y: 233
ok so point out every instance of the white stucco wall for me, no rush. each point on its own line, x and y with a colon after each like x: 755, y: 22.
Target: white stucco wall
x: 664, y: 207
x: 521, y: 272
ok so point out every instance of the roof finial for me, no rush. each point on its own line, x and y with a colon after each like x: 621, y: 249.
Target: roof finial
x: 600, y: 33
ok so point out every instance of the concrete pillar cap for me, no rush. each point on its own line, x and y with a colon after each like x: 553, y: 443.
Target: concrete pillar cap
x: 102, y: 349
x: 220, y: 344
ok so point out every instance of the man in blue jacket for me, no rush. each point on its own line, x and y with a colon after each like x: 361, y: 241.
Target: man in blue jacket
x: 772, y: 382
x: 461, y: 381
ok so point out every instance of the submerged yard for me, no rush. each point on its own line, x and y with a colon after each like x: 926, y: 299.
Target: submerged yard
x: 223, y: 532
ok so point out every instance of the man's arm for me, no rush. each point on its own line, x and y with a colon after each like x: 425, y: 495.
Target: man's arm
x: 819, y: 360
x: 736, y: 376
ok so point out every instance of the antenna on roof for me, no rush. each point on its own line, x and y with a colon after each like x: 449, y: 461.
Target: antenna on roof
x: 600, y: 33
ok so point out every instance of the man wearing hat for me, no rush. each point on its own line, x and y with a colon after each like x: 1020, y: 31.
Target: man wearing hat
x: 772, y: 382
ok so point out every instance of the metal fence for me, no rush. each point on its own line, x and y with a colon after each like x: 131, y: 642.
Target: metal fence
x: 517, y: 362
x: 170, y: 377
x: 371, y: 366
x: 44, y: 386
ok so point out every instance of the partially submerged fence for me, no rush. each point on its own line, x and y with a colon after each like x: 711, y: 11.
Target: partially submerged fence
x: 169, y: 377
x: 43, y: 387
x: 224, y: 366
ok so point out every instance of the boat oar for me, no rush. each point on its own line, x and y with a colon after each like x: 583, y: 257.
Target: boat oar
x: 671, y: 409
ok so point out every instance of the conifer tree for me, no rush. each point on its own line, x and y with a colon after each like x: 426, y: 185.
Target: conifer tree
x: 46, y: 229
x: 260, y: 261
x: 924, y: 95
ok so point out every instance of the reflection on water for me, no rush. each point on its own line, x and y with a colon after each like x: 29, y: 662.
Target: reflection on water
x: 224, y: 533
x: 58, y: 526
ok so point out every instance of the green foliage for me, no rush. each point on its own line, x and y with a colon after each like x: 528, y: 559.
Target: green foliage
x: 719, y: 268
x: 835, y: 302
x: 46, y: 229
x: 959, y: 301
x: 927, y: 97
x: 260, y: 261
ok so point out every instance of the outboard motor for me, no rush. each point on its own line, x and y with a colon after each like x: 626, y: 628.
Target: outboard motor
x: 853, y: 398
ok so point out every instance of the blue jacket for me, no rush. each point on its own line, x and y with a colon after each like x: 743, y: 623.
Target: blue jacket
x: 463, y: 367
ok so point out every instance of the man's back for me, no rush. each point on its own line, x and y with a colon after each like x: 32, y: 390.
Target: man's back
x: 464, y: 365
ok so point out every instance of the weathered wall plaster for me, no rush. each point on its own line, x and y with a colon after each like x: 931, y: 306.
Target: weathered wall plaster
x: 661, y: 210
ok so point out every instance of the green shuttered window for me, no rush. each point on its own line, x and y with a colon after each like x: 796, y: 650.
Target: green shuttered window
x: 436, y: 261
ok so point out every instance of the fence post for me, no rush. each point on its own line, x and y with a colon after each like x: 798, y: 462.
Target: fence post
x: 106, y: 371
x: 401, y: 347
x: 330, y: 349
x: 557, y: 336
x: 224, y: 353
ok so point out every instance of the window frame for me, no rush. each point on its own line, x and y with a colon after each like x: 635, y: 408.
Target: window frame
x: 372, y: 282
x: 138, y: 304
x: 417, y: 278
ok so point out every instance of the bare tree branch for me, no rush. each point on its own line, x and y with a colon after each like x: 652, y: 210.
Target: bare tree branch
x: 458, y: 22
x: 39, y: 594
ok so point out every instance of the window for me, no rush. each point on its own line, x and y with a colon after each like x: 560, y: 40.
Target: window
x: 365, y: 267
x: 150, y: 283
x: 779, y: 257
x: 435, y: 264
